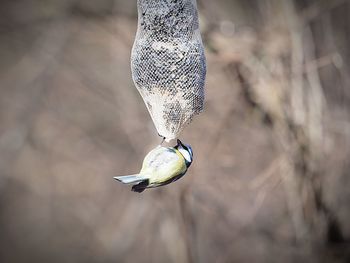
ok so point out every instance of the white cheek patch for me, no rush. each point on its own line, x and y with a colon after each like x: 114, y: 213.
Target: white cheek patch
x: 185, y: 154
x: 190, y: 151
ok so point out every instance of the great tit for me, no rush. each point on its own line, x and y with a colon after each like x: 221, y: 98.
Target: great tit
x: 161, y: 166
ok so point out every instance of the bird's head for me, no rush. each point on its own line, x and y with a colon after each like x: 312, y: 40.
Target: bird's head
x: 186, y: 151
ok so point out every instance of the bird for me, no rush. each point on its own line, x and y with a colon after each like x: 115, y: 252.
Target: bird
x: 161, y: 166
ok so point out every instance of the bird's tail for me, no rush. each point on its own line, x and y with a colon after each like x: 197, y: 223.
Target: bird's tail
x: 131, y: 179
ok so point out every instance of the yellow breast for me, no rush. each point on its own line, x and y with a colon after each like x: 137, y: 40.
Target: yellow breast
x: 162, y: 164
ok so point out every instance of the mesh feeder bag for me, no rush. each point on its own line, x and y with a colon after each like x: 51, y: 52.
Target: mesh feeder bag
x: 168, y: 63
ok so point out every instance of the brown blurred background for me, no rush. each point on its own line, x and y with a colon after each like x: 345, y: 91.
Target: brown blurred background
x: 270, y: 181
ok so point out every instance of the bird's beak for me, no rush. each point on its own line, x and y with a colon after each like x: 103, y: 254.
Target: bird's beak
x: 179, y: 143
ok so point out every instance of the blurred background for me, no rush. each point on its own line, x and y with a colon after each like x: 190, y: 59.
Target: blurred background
x: 270, y: 181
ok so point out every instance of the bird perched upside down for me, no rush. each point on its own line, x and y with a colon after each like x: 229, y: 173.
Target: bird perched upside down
x: 161, y: 166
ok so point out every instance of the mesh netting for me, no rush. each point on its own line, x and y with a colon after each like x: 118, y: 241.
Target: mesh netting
x: 168, y: 63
